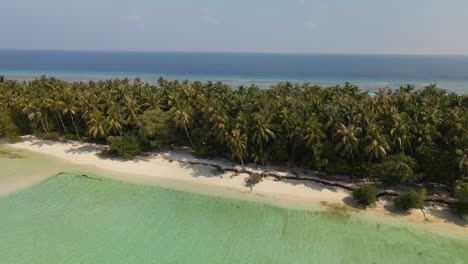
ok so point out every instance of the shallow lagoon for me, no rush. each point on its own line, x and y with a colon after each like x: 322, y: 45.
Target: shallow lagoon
x: 76, y: 217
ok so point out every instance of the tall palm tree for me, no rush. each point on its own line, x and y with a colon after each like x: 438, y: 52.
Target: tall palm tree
x: 182, y: 119
x: 96, y: 125
x: 237, y: 142
x: 261, y: 133
x: 314, y: 131
x: 115, y: 120
x: 70, y: 108
x: 401, y: 131
x: 348, y: 143
x: 57, y: 106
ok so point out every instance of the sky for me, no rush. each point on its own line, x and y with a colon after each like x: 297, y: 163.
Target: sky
x: 276, y: 26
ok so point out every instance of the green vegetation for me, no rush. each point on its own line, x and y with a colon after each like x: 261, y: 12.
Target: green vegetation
x: 365, y: 195
x: 8, y: 128
x: 49, y: 136
x: 125, y: 147
x: 411, y: 200
x: 394, y: 172
x: 253, y: 179
x: 394, y: 137
x: 461, y: 193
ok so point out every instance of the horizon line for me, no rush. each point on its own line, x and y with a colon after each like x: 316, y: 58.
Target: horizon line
x: 237, y: 52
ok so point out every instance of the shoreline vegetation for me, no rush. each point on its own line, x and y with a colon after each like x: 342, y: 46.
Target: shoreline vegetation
x: 406, y: 142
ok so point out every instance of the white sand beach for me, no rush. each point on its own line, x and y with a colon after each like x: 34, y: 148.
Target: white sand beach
x: 173, y: 168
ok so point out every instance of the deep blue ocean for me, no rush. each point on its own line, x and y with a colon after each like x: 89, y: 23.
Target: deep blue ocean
x: 370, y: 72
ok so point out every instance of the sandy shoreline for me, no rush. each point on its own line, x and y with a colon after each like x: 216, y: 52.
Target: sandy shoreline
x: 174, y: 169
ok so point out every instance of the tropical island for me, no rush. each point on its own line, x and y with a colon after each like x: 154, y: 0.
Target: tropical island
x: 408, y: 144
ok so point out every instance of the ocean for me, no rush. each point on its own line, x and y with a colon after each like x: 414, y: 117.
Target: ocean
x: 370, y: 72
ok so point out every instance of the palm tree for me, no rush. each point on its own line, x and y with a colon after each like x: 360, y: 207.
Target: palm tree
x: 70, y: 109
x: 401, y: 131
x: 314, y: 132
x: 34, y: 113
x: 182, y: 119
x: 261, y: 133
x: 115, y: 119
x: 237, y: 142
x: 349, y: 141
x: 97, y: 126
x: 57, y: 105
x: 377, y: 149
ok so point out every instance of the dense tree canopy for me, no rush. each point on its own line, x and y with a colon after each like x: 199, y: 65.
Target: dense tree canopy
x: 336, y: 129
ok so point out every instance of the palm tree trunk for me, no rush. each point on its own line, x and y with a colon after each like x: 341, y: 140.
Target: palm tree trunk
x: 43, y: 126
x: 188, y: 136
x: 61, y: 121
x: 261, y: 153
x: 74, y: 125
x: 292, y: 154
x: 46, y: 123
x: 424, y: 213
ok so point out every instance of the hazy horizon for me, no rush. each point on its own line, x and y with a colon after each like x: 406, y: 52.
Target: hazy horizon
x: 234, y: 52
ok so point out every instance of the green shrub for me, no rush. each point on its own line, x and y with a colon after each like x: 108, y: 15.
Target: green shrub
x: 365, y: 195
x: 461, y: 208
x: 411, y: 200
x: 461, y: 193
x: 205, y: 151
x: 437, y: 164
x: 363, y: 171
x: 254, y: 179
x: 416, y: 177
x: 340, y: 166
x: 279, y: 149
x: 392, y: 172
x: 8, y: 129
x: 156, y: 127
x: 125, y: 147
x: 49, y: 136
x: 71, y: 137
x: 403, y: 158
x: 396, y: 173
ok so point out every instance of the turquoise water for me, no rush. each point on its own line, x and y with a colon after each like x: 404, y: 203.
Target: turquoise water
x: 74, y: 217
x: 20, y: 169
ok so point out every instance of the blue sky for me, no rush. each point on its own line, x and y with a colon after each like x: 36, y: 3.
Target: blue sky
x: 300, y: 26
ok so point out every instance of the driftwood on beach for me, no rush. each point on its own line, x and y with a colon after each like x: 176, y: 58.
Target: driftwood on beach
x: 316, y: 179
